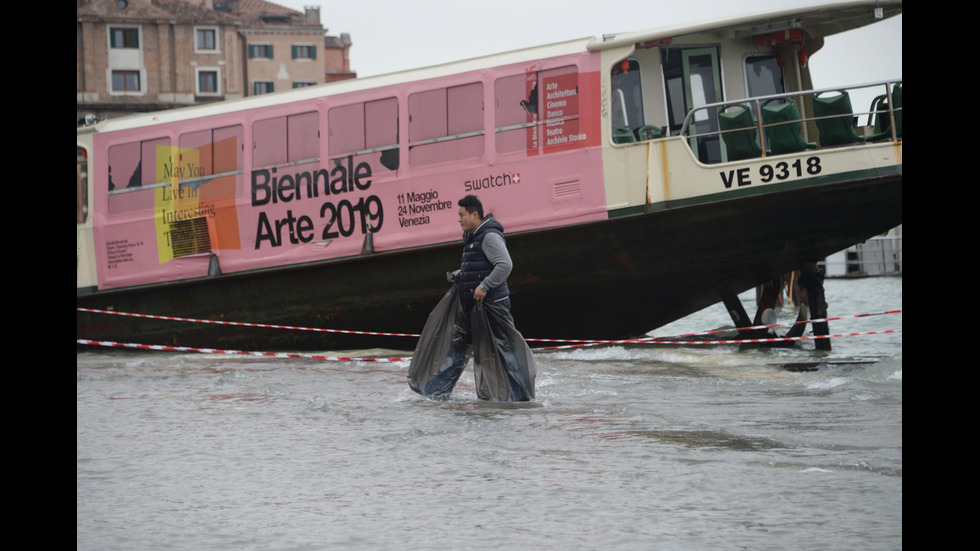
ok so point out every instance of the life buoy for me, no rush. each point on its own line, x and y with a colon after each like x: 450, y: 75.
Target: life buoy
x: 779, y: 39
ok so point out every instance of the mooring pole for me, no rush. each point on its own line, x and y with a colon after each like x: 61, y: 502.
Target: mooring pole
x: 812, y: 279
x: 734, y: 306
x: 739, y: 316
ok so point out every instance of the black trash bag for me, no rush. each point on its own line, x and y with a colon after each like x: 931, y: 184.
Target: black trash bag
x: 503, y: 366
x: 433, y: 351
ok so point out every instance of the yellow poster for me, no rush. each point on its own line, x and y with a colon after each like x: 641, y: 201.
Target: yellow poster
x: 174, y: 202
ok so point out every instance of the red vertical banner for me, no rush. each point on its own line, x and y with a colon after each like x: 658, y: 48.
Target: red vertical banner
x: 560, y: 110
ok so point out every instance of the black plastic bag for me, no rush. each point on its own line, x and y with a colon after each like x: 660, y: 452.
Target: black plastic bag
x: 434, y: 347
x: 504, y: 368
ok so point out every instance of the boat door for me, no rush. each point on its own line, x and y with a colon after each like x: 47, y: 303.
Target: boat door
x: 692, y: 77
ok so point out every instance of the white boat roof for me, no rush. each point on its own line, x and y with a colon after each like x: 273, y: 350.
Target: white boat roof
x: 819, y: 20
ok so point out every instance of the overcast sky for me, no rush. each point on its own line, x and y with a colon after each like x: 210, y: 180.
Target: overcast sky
x: 393, y: 35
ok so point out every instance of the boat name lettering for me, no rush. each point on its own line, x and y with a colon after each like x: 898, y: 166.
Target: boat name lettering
x: 344, y: 178
x: 769, y: 172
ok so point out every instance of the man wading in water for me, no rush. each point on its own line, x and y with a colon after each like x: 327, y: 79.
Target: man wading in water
x: 482, y: 278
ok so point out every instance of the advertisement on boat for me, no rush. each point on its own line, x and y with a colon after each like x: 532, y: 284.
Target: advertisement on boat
x: 338, y: 176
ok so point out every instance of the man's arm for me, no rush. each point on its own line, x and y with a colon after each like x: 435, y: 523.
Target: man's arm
x: 495, y: 248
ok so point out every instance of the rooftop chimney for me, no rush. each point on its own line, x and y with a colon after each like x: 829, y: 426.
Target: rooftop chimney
x: 312, y: 13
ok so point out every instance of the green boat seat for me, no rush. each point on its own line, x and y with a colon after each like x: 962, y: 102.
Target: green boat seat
x: 835, y: 120
x: 738, y: 133
x: 878, y: 118
x: 649, y: 132
x: 623, y: 135
x: 783, y: 127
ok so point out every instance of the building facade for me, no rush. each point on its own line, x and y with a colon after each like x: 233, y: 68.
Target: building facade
x: 149, y: 55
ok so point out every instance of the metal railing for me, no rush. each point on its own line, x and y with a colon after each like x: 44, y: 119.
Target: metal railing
x: 881, y: 113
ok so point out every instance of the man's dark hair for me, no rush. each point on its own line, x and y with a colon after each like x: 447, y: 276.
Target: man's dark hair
x: 472, y: 204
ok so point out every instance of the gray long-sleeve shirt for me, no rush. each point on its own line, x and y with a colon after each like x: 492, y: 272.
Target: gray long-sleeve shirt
x: 495, y: 248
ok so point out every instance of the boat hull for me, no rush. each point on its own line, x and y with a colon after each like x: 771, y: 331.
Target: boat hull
x: 618, y: 278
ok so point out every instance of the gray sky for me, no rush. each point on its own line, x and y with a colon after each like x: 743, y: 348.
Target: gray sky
x: 393, y: 35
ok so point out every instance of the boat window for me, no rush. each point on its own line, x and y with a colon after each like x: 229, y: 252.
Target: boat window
x: 81, y: 185
x: 445, y: 124
x: 627, y: 97
x: 281, y: 140
x: 206, y: 153
x: 763, y: 76
x: 135, y: 169
x: 537, y: 108
x: 366, y: 131
x: 208, y: 162
x: 692, y: 77
x: 516, y: 113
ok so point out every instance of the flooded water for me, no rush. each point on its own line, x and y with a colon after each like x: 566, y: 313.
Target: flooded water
x: 642, y: 447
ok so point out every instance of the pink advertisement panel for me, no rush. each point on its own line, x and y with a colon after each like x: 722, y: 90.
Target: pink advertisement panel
x: 308, y: 181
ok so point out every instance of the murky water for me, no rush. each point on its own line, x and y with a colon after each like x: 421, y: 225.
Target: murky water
x: 627, y: 447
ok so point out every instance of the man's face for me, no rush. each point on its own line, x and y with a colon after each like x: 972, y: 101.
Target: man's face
x: 469, y: 221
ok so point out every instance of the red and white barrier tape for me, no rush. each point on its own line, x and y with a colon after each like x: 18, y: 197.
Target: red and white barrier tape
x: 582, y: 341
x: 243, y: 324
x: 731, y: 341
x: 240, y: 352
x: 716, y: 331
x: 408, y: 358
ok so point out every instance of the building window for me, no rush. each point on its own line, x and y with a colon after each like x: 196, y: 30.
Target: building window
x: 304, y: 51
x: 208, y: 82
x: 260, y: 51
x: 206, y: 39
x: 303, y: 84
x: 126, y: 81
x: 262, y: 87
x: 124, y: 37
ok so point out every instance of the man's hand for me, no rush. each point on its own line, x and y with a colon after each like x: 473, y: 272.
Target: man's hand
x: 479, y: 293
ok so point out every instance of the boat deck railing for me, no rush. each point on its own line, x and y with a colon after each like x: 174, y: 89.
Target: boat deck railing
x: 794, y: 122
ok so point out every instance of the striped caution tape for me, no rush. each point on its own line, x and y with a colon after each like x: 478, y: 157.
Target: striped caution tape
x: 408, y: 358
x: 581, y: 341
x: 238, y: 352
x: 713, y: 342
x: 244, y: 324
x: 716, y: 331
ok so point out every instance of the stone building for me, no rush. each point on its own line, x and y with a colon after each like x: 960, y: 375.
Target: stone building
x: 149, y: 55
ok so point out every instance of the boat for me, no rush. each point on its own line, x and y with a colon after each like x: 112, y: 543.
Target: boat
x: 635, y: 184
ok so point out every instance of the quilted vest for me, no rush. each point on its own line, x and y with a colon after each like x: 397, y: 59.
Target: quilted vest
x: 477, y: 266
